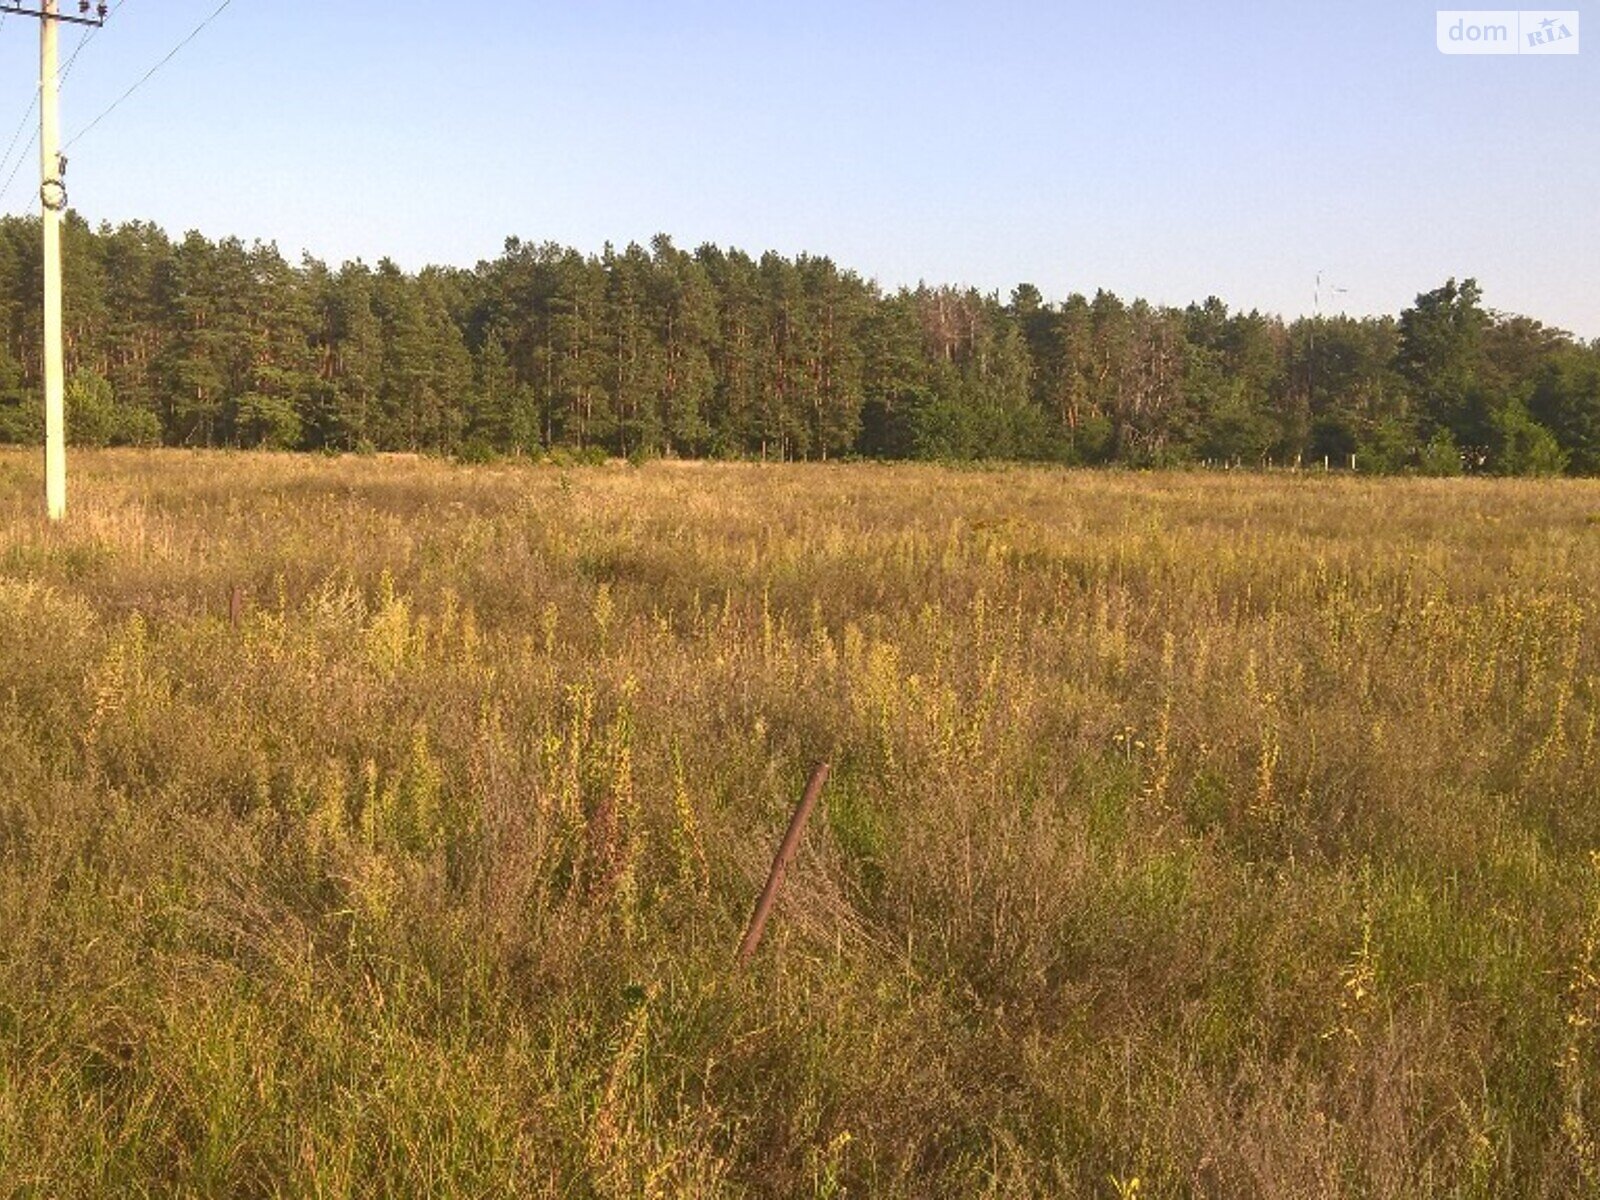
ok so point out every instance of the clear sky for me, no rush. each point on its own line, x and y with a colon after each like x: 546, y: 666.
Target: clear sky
x: 1163, y: 150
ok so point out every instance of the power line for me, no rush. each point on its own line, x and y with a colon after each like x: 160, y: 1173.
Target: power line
x: 89, y: 34
x: 171, y: 54
x: 18, y: 133
x: 34, y: 103
x: 21, y: 158
x: 61, y: 77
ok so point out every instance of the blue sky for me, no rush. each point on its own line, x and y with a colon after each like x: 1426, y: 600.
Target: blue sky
x: 1161, y: 150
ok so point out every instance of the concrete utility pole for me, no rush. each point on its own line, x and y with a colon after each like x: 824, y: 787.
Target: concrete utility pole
x: 53, y: 201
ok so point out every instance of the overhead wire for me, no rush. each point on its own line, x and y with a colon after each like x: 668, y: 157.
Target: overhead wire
x: 88, y: 35
x: 15, y: 134
x: 61, y: 75
x: 84, y: 39
x: 145, y: 78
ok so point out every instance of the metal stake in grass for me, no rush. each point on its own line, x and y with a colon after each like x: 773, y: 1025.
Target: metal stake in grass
x: 791, y: 842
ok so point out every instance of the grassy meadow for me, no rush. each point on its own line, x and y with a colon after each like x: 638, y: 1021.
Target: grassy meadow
x: 1188, y: 835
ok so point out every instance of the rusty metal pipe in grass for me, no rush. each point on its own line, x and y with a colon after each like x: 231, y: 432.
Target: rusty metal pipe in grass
x: 791, y: 842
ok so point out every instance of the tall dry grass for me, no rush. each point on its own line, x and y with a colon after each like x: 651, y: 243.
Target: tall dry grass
x: 1188, y: 835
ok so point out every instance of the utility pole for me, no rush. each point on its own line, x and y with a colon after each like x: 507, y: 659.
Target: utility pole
x: 1311, y: 357
x: 52, y: 199
x: 52, y: 202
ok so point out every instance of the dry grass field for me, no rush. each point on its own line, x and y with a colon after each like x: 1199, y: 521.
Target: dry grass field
x: 1188, y: 835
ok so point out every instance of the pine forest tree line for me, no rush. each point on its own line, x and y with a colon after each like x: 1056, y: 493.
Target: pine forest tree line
x: 659, y: 351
